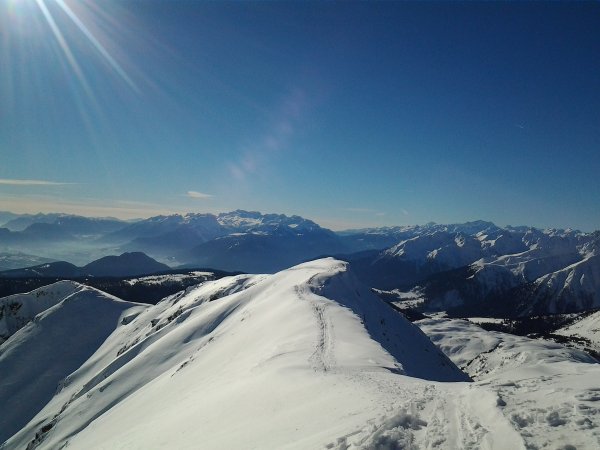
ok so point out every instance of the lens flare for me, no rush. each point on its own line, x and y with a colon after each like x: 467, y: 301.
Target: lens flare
x: 97, y: 45
x: 74, y: 26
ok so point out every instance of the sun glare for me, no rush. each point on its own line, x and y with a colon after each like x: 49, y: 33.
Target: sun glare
x: 68, y: 24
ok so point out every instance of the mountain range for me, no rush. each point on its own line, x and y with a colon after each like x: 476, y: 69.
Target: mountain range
x: 470, y: 268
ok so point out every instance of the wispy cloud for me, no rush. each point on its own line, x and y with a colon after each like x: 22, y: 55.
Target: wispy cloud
x: 198, y: 195
x: 124, y: 209
x: 365, y: 211
x: 360, y: 210
x: 14, y: 182
x: 275, y: 138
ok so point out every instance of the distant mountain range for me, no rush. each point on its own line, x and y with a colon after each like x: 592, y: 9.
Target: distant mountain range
x: 127, y: 264
x: 498, y: 271
x: 473, y: 267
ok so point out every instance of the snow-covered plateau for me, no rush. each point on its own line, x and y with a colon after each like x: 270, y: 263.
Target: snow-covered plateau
x: 305, y: 358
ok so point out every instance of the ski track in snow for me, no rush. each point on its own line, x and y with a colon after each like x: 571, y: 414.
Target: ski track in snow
x: 322, y: 359
x: 546, y: 393
x: 436, y: 417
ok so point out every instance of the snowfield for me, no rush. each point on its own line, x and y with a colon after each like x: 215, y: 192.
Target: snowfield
x: 196, y: 276
x: 586, y: 329
x: 305, y: 358
x: 549, y: 393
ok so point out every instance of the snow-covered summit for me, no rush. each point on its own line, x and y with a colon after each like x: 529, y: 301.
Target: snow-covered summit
x: 240, y: 221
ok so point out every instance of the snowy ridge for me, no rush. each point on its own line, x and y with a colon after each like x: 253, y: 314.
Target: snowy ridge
x: 305, y: 358
x: 247, y: 348
x: 35, y: 359
x: 18, y: 309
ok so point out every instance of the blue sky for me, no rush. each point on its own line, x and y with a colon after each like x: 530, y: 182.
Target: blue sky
x: 351, y: 114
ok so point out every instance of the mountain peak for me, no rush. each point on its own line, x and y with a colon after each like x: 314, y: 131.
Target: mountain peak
x: 126, y: 264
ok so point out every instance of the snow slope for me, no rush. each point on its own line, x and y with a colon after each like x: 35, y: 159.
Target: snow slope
x: 305, y: 358
x: 310, y: 358
x: 18, y: 309
x: 586, y: 329
x: 35, y: 359
x: 548, y: 393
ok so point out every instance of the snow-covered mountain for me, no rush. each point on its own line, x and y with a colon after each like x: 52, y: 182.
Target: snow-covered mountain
x: 7, y: 216
x: 305, y: 358
x: 39, y: 356
x: 69, y: 224
x: 203, y: 226
x: 18, y: 222
x: 433, y: 248
x: 471, y: 268
x: 237, y: 241
x: 18, y: 309
x: 511, y: 271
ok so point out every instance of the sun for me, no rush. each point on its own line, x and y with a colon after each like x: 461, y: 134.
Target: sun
x: 67, y: 23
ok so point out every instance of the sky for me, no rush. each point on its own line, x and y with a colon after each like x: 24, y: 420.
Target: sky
x: 350, y: 114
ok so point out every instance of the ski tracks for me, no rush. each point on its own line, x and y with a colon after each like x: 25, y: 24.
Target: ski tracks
x: 322, y: 359
x: 466, y: 418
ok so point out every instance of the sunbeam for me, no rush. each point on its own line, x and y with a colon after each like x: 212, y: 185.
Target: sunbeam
x: 24, y: 21
x: 64, y: 46
x: 97, y: 45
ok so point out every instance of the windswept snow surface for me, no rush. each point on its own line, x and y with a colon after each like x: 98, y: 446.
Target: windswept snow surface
x: 305, y: 358
x: 309, y: 358
x: 18, y: 309
x: 35, y: 359
x: 549, y: 394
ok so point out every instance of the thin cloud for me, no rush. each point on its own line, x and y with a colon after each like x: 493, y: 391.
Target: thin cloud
x: 13, y: 182
x: 86, y: 207
x: 360, y: 210
x: 365, y: 211
x: 198, y: 195
x: 276, y: 138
